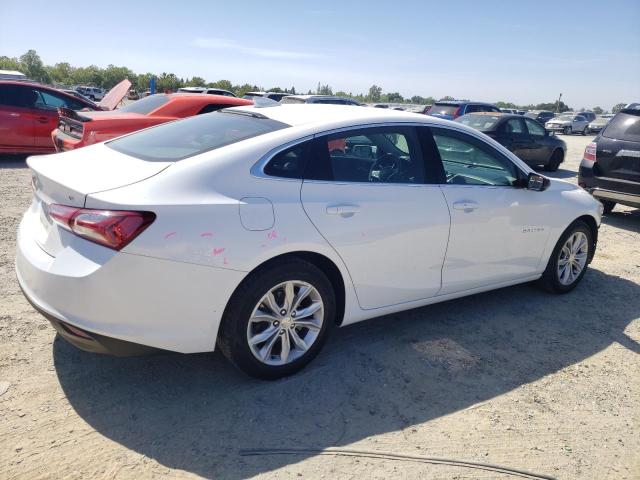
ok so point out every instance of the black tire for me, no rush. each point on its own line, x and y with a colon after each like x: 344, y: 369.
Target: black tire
x: 608, y: 206
x: 232, y: 338
x: 567, y: 130
x: 554, y: 162
x: 586, y: 130
x: 550, y: 280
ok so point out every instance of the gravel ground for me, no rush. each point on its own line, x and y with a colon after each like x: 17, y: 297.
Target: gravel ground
x: 515, y: 377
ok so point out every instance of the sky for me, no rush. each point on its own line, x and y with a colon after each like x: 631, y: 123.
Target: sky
x: 524, y: 51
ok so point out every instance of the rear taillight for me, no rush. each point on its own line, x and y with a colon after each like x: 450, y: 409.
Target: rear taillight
x: 110, y: 228
x: 456, y: 114
x: 590, y: 152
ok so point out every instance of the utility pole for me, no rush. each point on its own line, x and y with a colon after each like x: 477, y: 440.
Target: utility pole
x: 558, y: 103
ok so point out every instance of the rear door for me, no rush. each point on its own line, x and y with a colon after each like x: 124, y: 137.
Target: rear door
x: 537, y: 152
x: 16, y: 117
x: 498, y: 230
x: 368, y: 193
x: 618, y: 149
x: 517, y: 137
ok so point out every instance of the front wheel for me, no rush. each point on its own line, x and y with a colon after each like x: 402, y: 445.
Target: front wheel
x: 567, y: 130
x: 568, y: 262
x: 608, y: 206
x: 554, y: 162
x: 278, y: 319
x: 586, y: 130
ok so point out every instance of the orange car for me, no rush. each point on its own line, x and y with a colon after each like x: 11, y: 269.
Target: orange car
x: 78, y: 129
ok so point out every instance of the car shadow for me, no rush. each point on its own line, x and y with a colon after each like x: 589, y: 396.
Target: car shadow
x: 13, y: 161
x: 625, y: 220
x: 196, y: 412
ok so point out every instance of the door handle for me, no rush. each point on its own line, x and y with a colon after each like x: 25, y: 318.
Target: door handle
x: 466, y: 205
x: 343, y: 210
x: 43, y: 119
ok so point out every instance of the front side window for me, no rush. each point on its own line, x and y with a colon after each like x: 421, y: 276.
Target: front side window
x: 468, y: 161
x: 373, y: 155
x: 534, y: 128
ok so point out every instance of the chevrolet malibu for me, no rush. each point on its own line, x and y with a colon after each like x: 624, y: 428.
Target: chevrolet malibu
x: 260, y: 229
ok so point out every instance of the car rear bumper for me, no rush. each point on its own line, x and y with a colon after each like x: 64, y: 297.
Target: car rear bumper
x: 64, y: 143
x: 118, y: 299
x: 624, y: 192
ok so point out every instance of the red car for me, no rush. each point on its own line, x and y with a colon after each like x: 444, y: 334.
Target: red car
x: 28, y: 113
x: 77, y: 130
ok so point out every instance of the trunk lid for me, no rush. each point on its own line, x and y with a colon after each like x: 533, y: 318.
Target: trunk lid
x: 67, y: 178
x: 115, y: 95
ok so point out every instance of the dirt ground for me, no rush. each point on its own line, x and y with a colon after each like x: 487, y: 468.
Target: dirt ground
x: 515, y: 377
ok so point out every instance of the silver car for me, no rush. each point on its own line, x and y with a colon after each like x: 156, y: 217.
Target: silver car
x: 600, y: 122
x: 568, y: 123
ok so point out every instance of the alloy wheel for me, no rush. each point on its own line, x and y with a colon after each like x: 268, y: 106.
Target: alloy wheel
x: 285, y: 323
x: 572, y: 258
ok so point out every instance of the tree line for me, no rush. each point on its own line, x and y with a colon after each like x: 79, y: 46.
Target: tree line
x: 65, y: 74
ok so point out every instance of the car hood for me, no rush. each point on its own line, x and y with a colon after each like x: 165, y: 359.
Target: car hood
x: 115, y: 95
x: 561, y: 122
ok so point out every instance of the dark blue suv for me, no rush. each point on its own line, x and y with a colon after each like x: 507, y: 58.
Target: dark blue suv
x: 452, y: 109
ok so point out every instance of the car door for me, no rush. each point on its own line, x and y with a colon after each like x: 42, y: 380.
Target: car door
x: 368, y: 193
x: 580, y: 123
x: 498, y: 229
x: 16, y: 117
x: 517, y: 140
x: 538, y: 151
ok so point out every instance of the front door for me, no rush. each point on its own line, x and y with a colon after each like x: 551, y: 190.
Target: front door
x: 366, y: 193
x: 498, y: 229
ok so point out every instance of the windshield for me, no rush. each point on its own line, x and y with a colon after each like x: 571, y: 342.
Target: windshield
x: 564, y: 117
x: 483, y: 123
x: 146, y: 105
x: 443, y: 109
x: 178, y: 140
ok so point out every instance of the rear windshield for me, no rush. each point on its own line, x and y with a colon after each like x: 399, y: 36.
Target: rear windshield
x: 178, y: 140
x: 145, y: 105
x: 444, y: 109
x: 483, y: 123
x: 624, y: 126
x: 293, y: 100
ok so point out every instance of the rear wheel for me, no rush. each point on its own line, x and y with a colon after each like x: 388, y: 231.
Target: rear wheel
x: 608, y: 206
x: 554, y: 162
x: 586, y: 130
x: 278, y: 319
x: 568, y: 262
x: 567, y: 130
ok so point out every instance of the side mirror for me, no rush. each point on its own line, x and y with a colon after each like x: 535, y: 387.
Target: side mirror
x: 537, y: 182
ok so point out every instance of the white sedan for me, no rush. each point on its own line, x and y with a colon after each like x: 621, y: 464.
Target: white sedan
x: 258, y: 229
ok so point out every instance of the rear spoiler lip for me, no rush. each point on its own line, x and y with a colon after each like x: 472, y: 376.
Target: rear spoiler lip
x: 72, y: 114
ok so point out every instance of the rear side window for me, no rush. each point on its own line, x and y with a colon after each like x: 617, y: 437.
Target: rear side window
x: 212, y: 107
x: 624, y: 126
x: 534, y: 128
x: 145, y: 105
x: 49, y: 101
x: 289, y: 163
x: 175, y: 141
x: 514, y: 125
x: 371, y: 155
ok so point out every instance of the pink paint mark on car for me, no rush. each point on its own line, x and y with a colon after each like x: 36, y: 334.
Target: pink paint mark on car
x: 272, y: 235
x: 217, y: 251
x: 169, y: 235
x: 225, y: 262
x: 206, y: 234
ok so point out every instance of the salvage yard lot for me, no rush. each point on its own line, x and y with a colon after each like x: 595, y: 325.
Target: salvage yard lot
x: 515, y: 377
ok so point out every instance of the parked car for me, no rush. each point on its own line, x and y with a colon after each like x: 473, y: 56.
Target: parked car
x: 133, y: 95
x: 541, y: 116
x: 453, y: 109
x: 610, y: 167
x: 28, y: 113
x: 260, y: 229
x: 275, y: 96
x: 325, y: 99
x: 12, y: 75
x: 509, y: 110
x: 76, y: 130
x: 521, y: 135
x: 568, y: 124
x: 207, y: 91
x: 600, y: 122
x: 92, y: 93
x: 589, y: 115
x: 76, y: 94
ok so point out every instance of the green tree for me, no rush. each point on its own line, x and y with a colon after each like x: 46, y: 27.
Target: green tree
x: 240, y: 90
x: 113, y: 75
x: 32, y: 66
x: 617, y: 107
x: 61, y: 73
x: 223, y: 84
x: 394, y: 97
x: 375, y: 92
x: 324, y: 90
x: 9, y: 63
x: 598, y: 110
x: 196, y: 82
x: 447, y: 98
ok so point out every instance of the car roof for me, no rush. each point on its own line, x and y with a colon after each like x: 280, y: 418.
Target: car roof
x: 323, y: 97
x: 188, y: 97
x: 334, y: 115
x: 460, y: 102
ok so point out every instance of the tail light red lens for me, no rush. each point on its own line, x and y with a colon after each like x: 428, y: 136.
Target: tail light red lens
x: 590, y: 152
x: 456, y: 114
x: 111, y: 228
